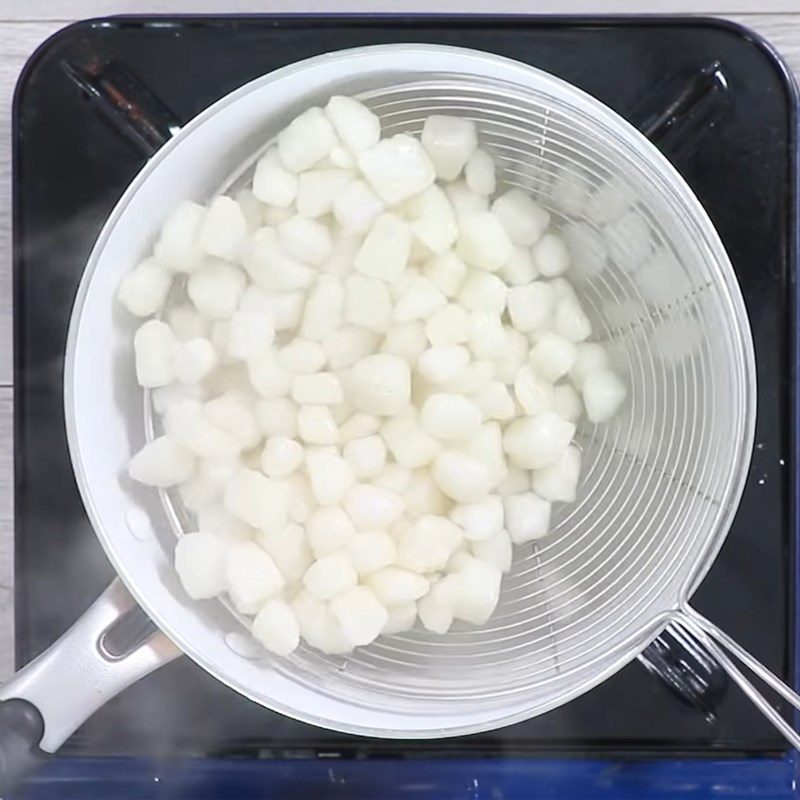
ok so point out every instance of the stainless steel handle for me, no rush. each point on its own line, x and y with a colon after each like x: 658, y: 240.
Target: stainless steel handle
x: 723, y: 647
x: 81, y: 671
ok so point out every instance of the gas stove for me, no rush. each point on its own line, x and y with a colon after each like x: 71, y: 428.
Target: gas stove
x: 99, y: 97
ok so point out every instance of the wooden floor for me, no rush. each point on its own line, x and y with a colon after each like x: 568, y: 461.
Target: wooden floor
x: 24, y: 24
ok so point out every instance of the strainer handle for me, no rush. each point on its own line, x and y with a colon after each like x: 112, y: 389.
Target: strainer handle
x: 722, y: 648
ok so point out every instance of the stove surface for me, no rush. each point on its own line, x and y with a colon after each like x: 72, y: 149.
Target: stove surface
x: 70, y: 166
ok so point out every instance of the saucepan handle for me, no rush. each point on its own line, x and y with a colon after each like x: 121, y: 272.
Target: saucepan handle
x: 110, y: 647
x: 725, y: 650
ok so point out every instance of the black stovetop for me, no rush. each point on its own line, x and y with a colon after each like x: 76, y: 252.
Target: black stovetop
x: 70, y: 166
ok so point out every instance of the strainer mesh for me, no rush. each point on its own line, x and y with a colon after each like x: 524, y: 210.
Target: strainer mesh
x: 657, y: 482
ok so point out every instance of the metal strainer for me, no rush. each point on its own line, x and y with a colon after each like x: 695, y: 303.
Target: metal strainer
x: 660, y: 485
